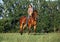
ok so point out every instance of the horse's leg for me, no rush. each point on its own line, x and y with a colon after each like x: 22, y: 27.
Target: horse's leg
x: 21, y: 29
x: 24, y: 26
x: 34, y: 29
x: 29, y: 28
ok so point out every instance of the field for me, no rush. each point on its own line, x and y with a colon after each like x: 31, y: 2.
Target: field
x: 42, y: 37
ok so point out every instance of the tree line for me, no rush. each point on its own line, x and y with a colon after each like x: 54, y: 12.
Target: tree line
x: 12, y: 10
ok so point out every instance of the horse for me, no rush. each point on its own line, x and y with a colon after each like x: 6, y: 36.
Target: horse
x: 32, y: 21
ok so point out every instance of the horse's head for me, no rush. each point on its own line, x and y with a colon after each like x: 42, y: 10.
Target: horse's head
x: 35, y: 14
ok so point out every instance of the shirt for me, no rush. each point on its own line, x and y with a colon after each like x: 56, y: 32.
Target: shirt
x: 30, y: 11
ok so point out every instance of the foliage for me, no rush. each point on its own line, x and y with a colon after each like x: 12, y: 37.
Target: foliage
x: 48, y: 12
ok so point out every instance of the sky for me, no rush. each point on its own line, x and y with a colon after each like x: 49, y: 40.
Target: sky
x: 1, y: 2
x: 52, y: 0
x: 30, y: 0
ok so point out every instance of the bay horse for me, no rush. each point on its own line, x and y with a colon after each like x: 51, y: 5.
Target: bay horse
x: 32, y: 21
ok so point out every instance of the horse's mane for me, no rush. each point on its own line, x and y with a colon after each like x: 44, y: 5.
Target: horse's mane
x: 33, y: 12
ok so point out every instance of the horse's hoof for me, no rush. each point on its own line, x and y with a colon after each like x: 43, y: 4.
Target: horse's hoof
x: 21, y: 33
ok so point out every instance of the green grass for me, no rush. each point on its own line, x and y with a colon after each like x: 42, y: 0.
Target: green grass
x: 16, y: 37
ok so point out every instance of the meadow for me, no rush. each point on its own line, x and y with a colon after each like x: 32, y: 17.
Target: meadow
x: 39, y: 37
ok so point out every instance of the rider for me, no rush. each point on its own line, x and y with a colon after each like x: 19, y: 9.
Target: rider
x: 30, y: 10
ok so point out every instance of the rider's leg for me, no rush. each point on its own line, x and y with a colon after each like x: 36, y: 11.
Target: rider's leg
x: 27, y: 19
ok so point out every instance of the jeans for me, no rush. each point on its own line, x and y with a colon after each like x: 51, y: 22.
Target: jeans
x: 27, y: 19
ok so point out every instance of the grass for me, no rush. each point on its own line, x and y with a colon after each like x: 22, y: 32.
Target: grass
x: 16, y: 37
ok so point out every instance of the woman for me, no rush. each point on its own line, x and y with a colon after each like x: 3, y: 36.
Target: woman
x: 30, y: 10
